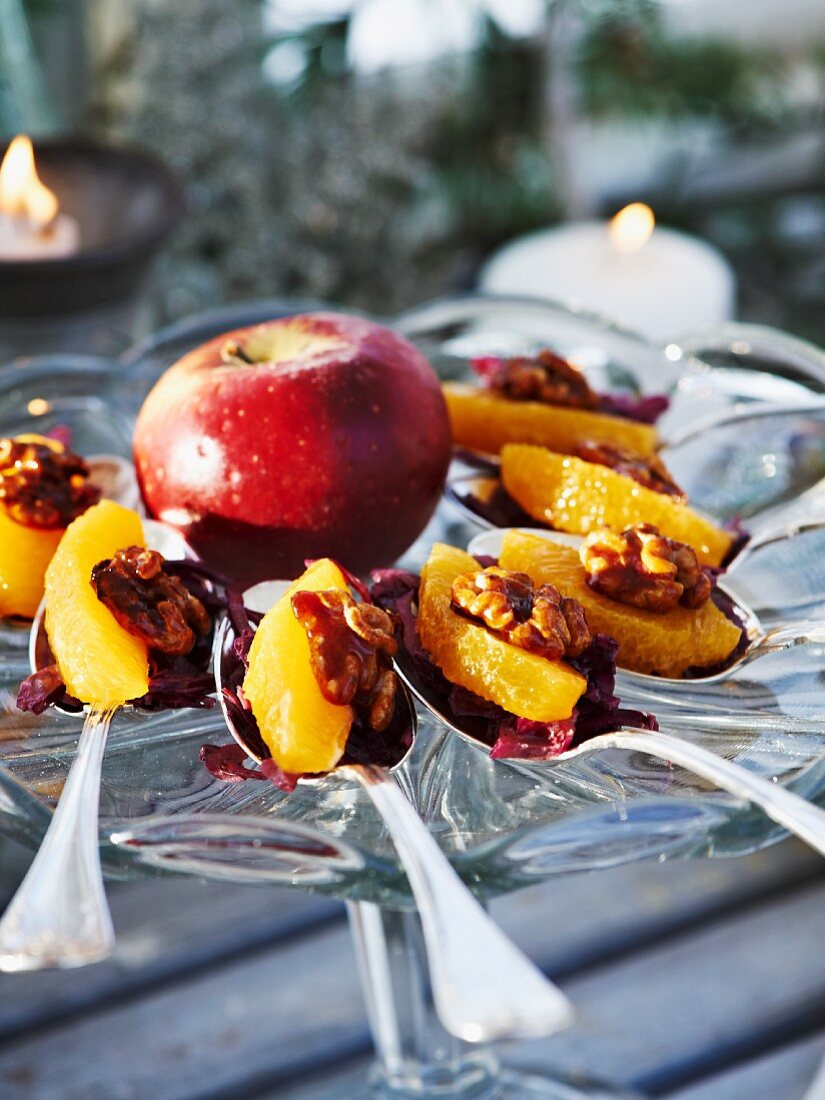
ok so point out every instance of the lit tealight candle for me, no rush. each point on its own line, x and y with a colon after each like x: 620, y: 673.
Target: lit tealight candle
x: 31, y: 227
x: 656, y: 281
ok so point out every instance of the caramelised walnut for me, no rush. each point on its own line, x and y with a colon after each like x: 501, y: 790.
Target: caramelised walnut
x: 41, y: 486
x: 642, y: 568
x: 648, y: 471
x: 150, y: 603
x: 546, y: 377
x: 351, y: 648
x: 535, y: 619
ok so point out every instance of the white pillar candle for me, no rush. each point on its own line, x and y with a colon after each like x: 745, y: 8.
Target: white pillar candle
x: 20, y: 240
x: 30, y: 226
x: 656, y: 281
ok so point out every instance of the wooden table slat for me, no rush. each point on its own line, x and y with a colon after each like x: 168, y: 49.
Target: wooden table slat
x: 171, y: 927
x: 165, y: 930
x: 663, y: 1017
x: 786, y: 1074
x: 609, y: 914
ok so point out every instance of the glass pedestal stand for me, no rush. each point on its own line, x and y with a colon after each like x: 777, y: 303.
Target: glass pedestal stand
x: 416, y: 1058
x: 163, y: 812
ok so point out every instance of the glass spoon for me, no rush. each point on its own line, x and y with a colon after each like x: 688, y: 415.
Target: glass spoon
x: 762, y: 463
x: 739, y: 415
x: 779, y: 568
x: 783, y: 806
x: 484, y: 987
x: 761, y: 641
x: 59, y: 915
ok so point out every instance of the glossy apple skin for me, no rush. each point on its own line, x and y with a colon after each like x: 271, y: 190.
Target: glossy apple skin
x: 340, y: 452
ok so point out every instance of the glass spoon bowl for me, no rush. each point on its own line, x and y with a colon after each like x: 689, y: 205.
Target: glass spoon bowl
x: 484, y: 988
x: 783, y: 806
x: 761, y: 641
x: 762, y: 464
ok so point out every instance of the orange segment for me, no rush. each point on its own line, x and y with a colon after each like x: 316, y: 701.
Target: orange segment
x: 486, y: 421
x: 24, y: 554
x: 572, y: 495
x: 304, y: 732
x: 468, y: 654
x: 100, y: 662
x: 663, y: 645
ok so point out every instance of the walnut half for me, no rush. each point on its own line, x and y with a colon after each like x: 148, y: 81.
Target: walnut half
x: 547, y: 377
x: 149, y: 603
x: 351, y: 646
x: 642, y: 568
x: 535, y: 619
x: 43, y: 485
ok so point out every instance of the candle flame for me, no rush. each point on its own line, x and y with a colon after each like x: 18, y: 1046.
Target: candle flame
x: 631, y: 227
x: 22, y: 195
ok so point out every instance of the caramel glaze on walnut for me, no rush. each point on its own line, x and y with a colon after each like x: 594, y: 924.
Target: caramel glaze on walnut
x: 547, y: 378
x: 42, y: 486
x: 351, y: 648
x: 535, y: 619
x: 647, y: 471
x: 150, y: 603
x: 642, y: 568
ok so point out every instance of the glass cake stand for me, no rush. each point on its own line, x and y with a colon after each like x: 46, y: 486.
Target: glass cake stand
x: 503, y: 825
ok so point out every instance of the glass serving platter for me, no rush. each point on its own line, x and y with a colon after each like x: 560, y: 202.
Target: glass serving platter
x: 503, y: 824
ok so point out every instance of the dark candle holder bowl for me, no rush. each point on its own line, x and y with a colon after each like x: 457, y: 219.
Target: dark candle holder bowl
x: 126, y: 202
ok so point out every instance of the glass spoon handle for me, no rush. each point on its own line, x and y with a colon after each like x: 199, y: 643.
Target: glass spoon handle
x: 807, y: 632
x: 484, y: 987
x: 731, y: 417
x: 59, y: 915
x: 788, y: 636
x: 787, y: 809
x: 770, y: 535
x: 746, y: 341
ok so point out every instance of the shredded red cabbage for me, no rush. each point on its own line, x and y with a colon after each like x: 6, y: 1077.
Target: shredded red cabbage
x: 509, y: 735
x: 226, y: 762
x: 741, y: 538
x: 44, y: 689
x: 62, y: 433
x: 486, y: 366
x: 526, y: 740
x: 500, y: 509
x: 644, y: 410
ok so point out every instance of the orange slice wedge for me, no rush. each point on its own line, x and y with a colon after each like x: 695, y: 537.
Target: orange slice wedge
x: 468, y: 654
x: 100, y: 662
x: 664, y: 645
x: 303, y: 730
x: 485, y: 421
x: 572, y: 495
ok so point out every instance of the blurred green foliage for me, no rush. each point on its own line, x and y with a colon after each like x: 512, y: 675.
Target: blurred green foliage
x: 630, y: 65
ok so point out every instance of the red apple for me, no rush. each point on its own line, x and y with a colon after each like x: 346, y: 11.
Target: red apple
x: 315, y: 435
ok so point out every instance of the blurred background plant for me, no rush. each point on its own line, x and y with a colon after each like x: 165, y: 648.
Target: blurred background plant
x: 372, y: 152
